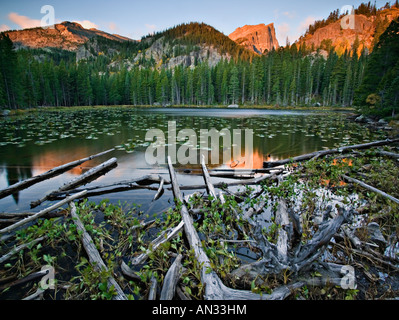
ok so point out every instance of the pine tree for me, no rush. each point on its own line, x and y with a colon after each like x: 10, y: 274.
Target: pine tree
x: 234, y: 85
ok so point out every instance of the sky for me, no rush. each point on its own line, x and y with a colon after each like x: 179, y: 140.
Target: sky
x: 138, y: 18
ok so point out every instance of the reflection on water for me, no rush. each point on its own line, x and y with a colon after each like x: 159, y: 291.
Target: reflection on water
x: 42, y: 162
x: 35, y: 143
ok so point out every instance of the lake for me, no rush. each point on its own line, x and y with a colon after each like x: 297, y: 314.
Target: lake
x: 36, y: 142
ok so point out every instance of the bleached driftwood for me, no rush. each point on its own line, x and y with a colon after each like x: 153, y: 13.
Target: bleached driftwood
x: 47, y: 175
x: 322, y: 153
x: 370, y: 188
x: 88, y: 176
x: 171, y: 279
x: 94, y: 256
x: 214, y: 287
x: 42, y: 213
x: 20, y: 247
x: 162, y: 238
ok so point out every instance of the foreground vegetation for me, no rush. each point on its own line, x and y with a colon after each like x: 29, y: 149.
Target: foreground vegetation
x: 121, y: 233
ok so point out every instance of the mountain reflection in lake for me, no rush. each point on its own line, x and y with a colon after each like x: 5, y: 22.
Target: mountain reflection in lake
x: 34, y: 143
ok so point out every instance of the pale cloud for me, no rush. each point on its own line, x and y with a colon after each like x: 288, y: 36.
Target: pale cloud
x: 289, y: 14
x: 151, y: 27
x: 304, y: 25
x: 87, y: 24
x: 283, y: 32
x: 113, y: 26
x: 23, y: 21
x: 4, y: 27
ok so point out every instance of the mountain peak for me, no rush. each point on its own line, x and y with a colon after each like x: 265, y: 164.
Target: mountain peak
x: 257, y: 38
x: 65, y: 35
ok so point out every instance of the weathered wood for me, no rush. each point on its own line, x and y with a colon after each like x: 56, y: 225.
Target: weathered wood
x: 28, y: 278
x: 222, y: 185
x: 152, y: 294
x: 20, y: 247
x: 86, y: 177
x: 34, y: 296
x: 370, y: 188
x: 171, y: 279
x: 126, y: 185
x: 161, y: 190
x: 94, y: 256
x: 42, y: 213
x: 181, y: 294
x: 328, y: 152
x: 207, y: 179
x: 214, y: 287
x: 309, y: 252
x: 98, y: 192
x: 127, y: 271
x: 282, y: 238
x: 47, y: 175
x: 388, y: 154
x: 162, y: 238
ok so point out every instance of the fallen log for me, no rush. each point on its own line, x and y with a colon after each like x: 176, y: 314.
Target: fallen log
x: 162, y: 238
x: 86, y: 177
x: 214, y: 287
x: 321, y: 153
x: 370, y: 188
x: 19, y: 248
x: 41, y: 213
x: 99, y: 192
x: 222, y: 185
x: 127, y: 271
x: 171, y: 279
x: 28, y: 278
x: 152, y: 295
x: 126, y: 185
x: 36, y: 295
x: 388, y: 154
x: 209, y: 186
x: 282, y: 238
x: 47, y: 175
x: 160, y: 191
x: 93, y: 254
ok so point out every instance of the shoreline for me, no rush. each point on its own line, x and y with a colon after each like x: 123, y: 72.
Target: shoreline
x: 98, y: 107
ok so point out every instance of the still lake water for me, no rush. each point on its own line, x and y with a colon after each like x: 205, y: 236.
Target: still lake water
x: 34, y: 143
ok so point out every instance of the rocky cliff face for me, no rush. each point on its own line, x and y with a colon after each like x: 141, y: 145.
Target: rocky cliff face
x: 66, y: 35
x: 257, y: 38
x: 161, y: 52
x: 364, y: 32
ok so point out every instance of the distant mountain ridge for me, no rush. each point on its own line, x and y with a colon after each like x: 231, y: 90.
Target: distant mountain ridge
x: 66, y: 35
x: 192, y: 43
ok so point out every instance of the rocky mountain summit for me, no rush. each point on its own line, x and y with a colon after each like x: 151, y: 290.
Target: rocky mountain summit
x: 362, y: 34
x: 66, y: 35
x: 257, y: 38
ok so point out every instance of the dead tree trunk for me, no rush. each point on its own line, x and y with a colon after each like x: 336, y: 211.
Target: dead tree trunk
x: 328, y: 152
x: 214, y: 287
x: 47, y: 175
x: 171, y: 279
x: 94, y: 256
x: 89, y: 175
x: 42, y: 213
x: 370, y: 188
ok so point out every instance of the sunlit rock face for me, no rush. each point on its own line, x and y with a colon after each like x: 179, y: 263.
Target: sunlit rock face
x: 66, y: 35
x: 257, y: 38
